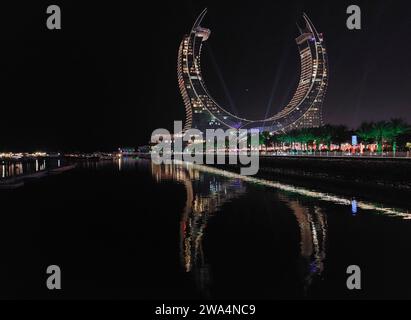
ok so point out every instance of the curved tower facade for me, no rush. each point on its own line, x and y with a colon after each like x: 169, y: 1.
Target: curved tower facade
x: 303, y: 111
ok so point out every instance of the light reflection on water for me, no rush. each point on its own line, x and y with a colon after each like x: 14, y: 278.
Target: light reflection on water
x: 364, y: 205
x: 12, y: 169
x: 208, y: 189
x: 207, y: 193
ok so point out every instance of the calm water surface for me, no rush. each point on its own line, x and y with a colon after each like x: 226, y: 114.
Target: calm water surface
x: 132, y: 229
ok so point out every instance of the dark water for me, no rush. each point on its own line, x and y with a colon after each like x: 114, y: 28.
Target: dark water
x: 131, y: 229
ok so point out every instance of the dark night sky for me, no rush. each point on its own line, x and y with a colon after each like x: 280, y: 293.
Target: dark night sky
x: 108, y: 78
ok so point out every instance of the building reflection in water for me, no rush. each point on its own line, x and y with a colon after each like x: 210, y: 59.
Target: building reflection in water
x: 206, y: 193
x: 313, y: 232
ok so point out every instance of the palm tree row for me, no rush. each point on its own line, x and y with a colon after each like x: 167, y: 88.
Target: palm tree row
x: 383, y: 131
x: 388, y: 132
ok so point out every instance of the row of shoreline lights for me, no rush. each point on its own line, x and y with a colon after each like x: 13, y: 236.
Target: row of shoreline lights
x: 21, y: 155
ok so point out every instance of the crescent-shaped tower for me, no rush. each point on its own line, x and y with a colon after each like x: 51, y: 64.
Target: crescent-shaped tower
x: 303, y: 111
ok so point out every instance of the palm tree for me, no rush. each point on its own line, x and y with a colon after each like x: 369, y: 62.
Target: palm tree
x: 264, y: 139
x: 305, y: 136
x: 396, y: 127
x: 380, y: 132
x: 273, y: 139
x: 286, y: 138
x: 364, y: 131
x: 324, y: 135
x: 340, y: 134
x: 377, y: 132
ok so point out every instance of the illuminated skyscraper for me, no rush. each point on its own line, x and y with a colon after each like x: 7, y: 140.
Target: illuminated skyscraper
x: 303, y: 111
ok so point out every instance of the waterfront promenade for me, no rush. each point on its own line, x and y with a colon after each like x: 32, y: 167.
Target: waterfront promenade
x: 332, y: 154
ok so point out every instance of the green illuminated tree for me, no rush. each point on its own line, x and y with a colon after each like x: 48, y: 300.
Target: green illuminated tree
x: 396, y: 128
x: 305, y: 136
x: 264, y: 139
x: 380, y: 131
x: 364, y: 132
x: 377, y: 132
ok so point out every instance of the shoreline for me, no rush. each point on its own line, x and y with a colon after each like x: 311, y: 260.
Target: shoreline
x: 385, y: 180
x: 370, y: 179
